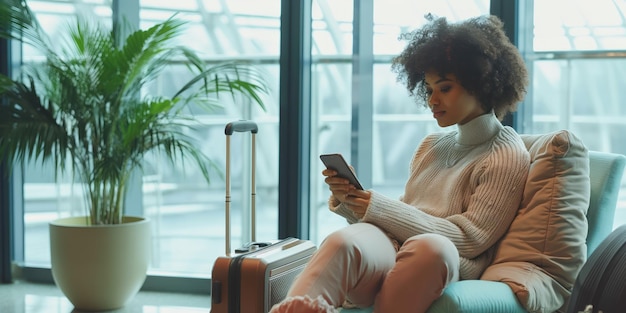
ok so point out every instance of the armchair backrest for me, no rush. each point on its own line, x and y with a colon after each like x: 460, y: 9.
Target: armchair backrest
x: 567, y: 210
x: 605, y: 173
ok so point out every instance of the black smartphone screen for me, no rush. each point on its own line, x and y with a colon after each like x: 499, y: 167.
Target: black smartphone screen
x: 335, y: 161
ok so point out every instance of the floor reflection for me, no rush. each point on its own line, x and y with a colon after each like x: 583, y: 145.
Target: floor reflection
x: 21, y: 297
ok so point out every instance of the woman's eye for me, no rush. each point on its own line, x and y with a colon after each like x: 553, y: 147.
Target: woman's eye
x: 446, y: 88
x: 429, y: 92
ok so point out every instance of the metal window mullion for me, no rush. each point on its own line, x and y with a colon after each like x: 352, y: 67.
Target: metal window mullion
x: 503, y: 9
x: 127, y: 11
x: 6, y: 200
x: 362, y: 90
x: 525, y: 42
x: 295, y: 119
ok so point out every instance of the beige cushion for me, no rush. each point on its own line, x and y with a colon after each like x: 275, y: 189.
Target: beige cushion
x: 544, y: 249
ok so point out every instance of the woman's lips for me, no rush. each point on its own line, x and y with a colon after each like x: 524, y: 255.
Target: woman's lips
x: 438, y: 114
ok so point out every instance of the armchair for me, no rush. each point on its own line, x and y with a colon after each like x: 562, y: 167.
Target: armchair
x: 593, y: 194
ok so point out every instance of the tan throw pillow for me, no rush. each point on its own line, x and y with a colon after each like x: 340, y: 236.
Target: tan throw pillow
x: 545, y: 248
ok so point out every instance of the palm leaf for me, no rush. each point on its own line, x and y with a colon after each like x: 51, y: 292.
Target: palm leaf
x: 28, y: 128
x: 85, y: 102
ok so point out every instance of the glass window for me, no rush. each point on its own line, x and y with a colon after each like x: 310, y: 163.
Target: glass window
x: 576, y: 56
x: 578, y: 61
x: 398, y: 123
x: 187, y: 213
x: 579, y: 25
x: 45, y: 198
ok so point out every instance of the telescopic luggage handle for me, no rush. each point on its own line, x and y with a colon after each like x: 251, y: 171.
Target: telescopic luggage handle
x: 241, y: 126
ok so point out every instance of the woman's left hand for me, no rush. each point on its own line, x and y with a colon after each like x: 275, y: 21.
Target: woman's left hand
x: 357, y: 201
x: 354, y: 199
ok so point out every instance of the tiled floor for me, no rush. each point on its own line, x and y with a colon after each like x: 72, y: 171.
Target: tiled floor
x: 23, y: 297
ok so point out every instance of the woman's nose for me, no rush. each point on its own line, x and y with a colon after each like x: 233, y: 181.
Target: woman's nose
x: 432, y: 101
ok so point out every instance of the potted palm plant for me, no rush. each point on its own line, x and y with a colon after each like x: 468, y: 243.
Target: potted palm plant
x: 85, y: 111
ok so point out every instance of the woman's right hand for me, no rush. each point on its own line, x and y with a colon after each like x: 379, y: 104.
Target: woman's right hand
x: 338, y: 186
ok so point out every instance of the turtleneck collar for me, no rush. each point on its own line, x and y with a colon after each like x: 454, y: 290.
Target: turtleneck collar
x: 478, y: 130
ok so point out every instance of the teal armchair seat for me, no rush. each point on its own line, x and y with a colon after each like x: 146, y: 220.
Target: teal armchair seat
x: 481, y: 296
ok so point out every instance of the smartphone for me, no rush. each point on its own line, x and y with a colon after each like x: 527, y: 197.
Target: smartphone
x: 335, y: 161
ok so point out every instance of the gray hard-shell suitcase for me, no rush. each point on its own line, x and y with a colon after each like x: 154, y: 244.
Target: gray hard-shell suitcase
x: 258, y: 275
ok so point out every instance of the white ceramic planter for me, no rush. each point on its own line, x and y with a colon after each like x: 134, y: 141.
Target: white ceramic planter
x: 99, y: 267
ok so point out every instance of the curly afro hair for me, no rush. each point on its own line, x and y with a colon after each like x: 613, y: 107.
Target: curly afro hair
x: 476, y: 51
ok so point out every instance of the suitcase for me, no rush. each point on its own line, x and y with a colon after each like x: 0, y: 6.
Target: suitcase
x: 601, y: 282
x: 259, y: 274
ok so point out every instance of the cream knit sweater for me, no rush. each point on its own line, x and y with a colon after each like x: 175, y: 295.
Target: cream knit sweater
x: 466, y: 185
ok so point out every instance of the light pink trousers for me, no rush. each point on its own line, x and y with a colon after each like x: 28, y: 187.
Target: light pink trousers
x: 360, y: 264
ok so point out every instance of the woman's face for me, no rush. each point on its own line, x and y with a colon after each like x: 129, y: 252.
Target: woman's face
x: 449, y: 101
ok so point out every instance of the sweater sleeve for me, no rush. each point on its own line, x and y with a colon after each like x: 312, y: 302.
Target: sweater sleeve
x: 490, y: 208
x: 338, y: 208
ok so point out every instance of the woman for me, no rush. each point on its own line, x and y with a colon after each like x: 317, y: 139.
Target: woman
x: 464, y: 186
